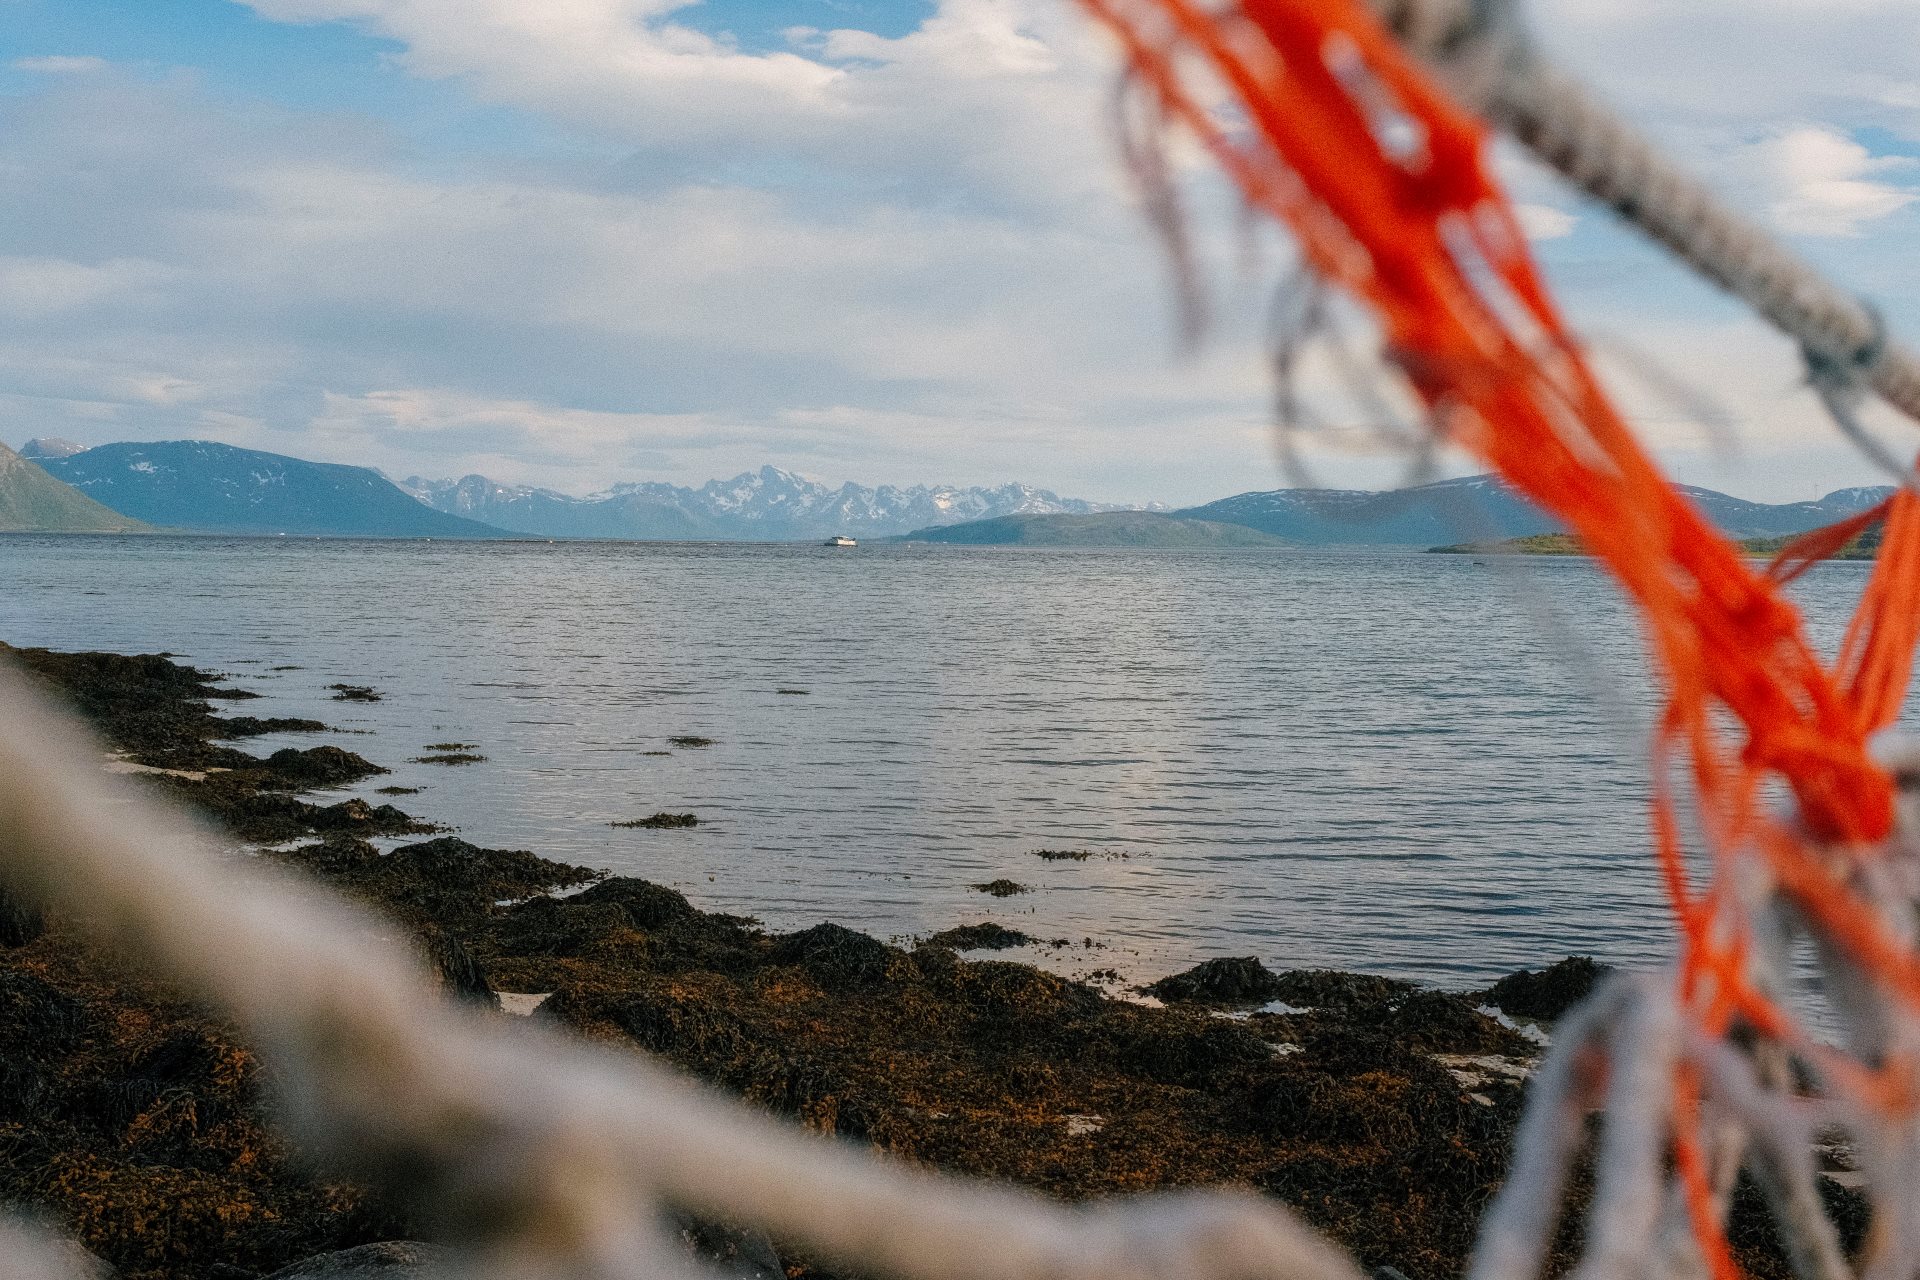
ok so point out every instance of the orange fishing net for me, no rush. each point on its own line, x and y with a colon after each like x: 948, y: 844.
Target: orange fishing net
x: 1329, y: 125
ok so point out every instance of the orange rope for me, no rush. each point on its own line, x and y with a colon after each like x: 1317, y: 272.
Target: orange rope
x: 1385, y: 185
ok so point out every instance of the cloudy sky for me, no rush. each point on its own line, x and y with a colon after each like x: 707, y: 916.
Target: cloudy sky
x: 579, y: 241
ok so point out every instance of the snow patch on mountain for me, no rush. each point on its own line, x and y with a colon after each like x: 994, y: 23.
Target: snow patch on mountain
x: 765, y: 505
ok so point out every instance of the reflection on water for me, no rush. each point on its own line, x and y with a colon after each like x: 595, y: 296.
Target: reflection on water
x: 1420, y: 765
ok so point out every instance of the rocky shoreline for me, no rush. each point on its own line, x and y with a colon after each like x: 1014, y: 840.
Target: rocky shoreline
x: 1382, y: 1112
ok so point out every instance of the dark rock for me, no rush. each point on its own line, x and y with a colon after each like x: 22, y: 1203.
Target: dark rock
x: 986, y: 936
x: 1435, y: 1022
x: 646, y: 905
x: 353, y: 693
x: 1002, y: 888
x: 319, y: 767
x: 837, y: 957
x: 660, y: 821
x: 1238, y: 980
x: 388, y: 1260
x: 20, y: 921
x: 460, y: 974
x: 690, y: 740
x: 1331, y: 988
x: 255, y: 726
x: 1548, y: 994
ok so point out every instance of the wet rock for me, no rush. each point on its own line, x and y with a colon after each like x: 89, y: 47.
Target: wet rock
x: 255, y: 726
x: 1000, y: 990
x: 20, y: 921
x: 388, y: 1260
x: 660, y: 821
x: 353, y: 693
x: 302, y: 769
x: 1549, y: 993
x: 644, y: 904
x: 1331, y: 988
x: 461, y: 976
x: 837, y: 957
x: 1002, y: 888
x: 449, y: 758
x: 690, y: 740
x: 1237, y: 980
x: 1435, y: 1022
x: 985, y: 936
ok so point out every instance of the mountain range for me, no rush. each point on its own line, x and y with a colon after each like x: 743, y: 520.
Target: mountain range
x: 1481, y: 508
x: 196, y: 485
x: 768, y: 505
x: 202, y: 486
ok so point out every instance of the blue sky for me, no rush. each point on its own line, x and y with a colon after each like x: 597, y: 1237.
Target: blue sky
x: 585, y: 241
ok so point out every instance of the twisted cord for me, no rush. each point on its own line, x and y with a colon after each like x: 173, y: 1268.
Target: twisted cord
x: 1485, y: 57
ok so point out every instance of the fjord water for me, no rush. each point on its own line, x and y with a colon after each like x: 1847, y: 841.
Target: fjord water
x: 1429, y: 766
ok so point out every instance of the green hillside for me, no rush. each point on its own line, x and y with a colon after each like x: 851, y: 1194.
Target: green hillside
x: 1102, y: 529
x: 31, y: 501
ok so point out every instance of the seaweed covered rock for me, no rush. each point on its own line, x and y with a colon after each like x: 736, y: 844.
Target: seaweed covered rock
x: 1235, y: 980
x: 20, y: 921
x: 461, y: 976
x: 303, y: 768
x: 985, y: 936
x: 837, y: 957
x: 1549, y: 993
x: 155, y: 709
x: 744, y: 1055
x: 446, y: 877
x: 1335, y: 989
x: 1435, y: 1022
x: 644, y: 904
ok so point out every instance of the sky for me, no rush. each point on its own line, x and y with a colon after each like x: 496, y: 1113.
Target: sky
x: 576, y: 242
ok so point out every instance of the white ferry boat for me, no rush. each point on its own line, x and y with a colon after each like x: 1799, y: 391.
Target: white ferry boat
x: 839, y: 540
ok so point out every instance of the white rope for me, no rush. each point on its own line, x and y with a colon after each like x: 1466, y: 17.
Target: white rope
x: 535, y: 1154
x: 1479, y: 48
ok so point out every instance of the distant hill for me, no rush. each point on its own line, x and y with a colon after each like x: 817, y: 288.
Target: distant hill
x: 1102, y: 529
x: 1482, y: 509
x: 1862, y: 546
x: 768, y: 505
x: 50, y: 447
x: 196, y: 484
x: 31, y: 501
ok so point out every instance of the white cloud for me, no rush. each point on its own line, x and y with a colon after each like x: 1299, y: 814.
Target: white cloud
x: 35, y: 288
x: 1825, y: 185
x: 998, y: 98
x: 60, y: 65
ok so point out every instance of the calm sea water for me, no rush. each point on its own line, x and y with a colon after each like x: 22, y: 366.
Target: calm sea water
x: 1428, y: 766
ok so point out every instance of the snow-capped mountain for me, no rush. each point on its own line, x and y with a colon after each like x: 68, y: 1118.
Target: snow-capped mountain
x: 768, y: 505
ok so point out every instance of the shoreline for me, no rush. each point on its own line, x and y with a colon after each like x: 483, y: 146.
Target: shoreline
x: 1380, y: 1110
